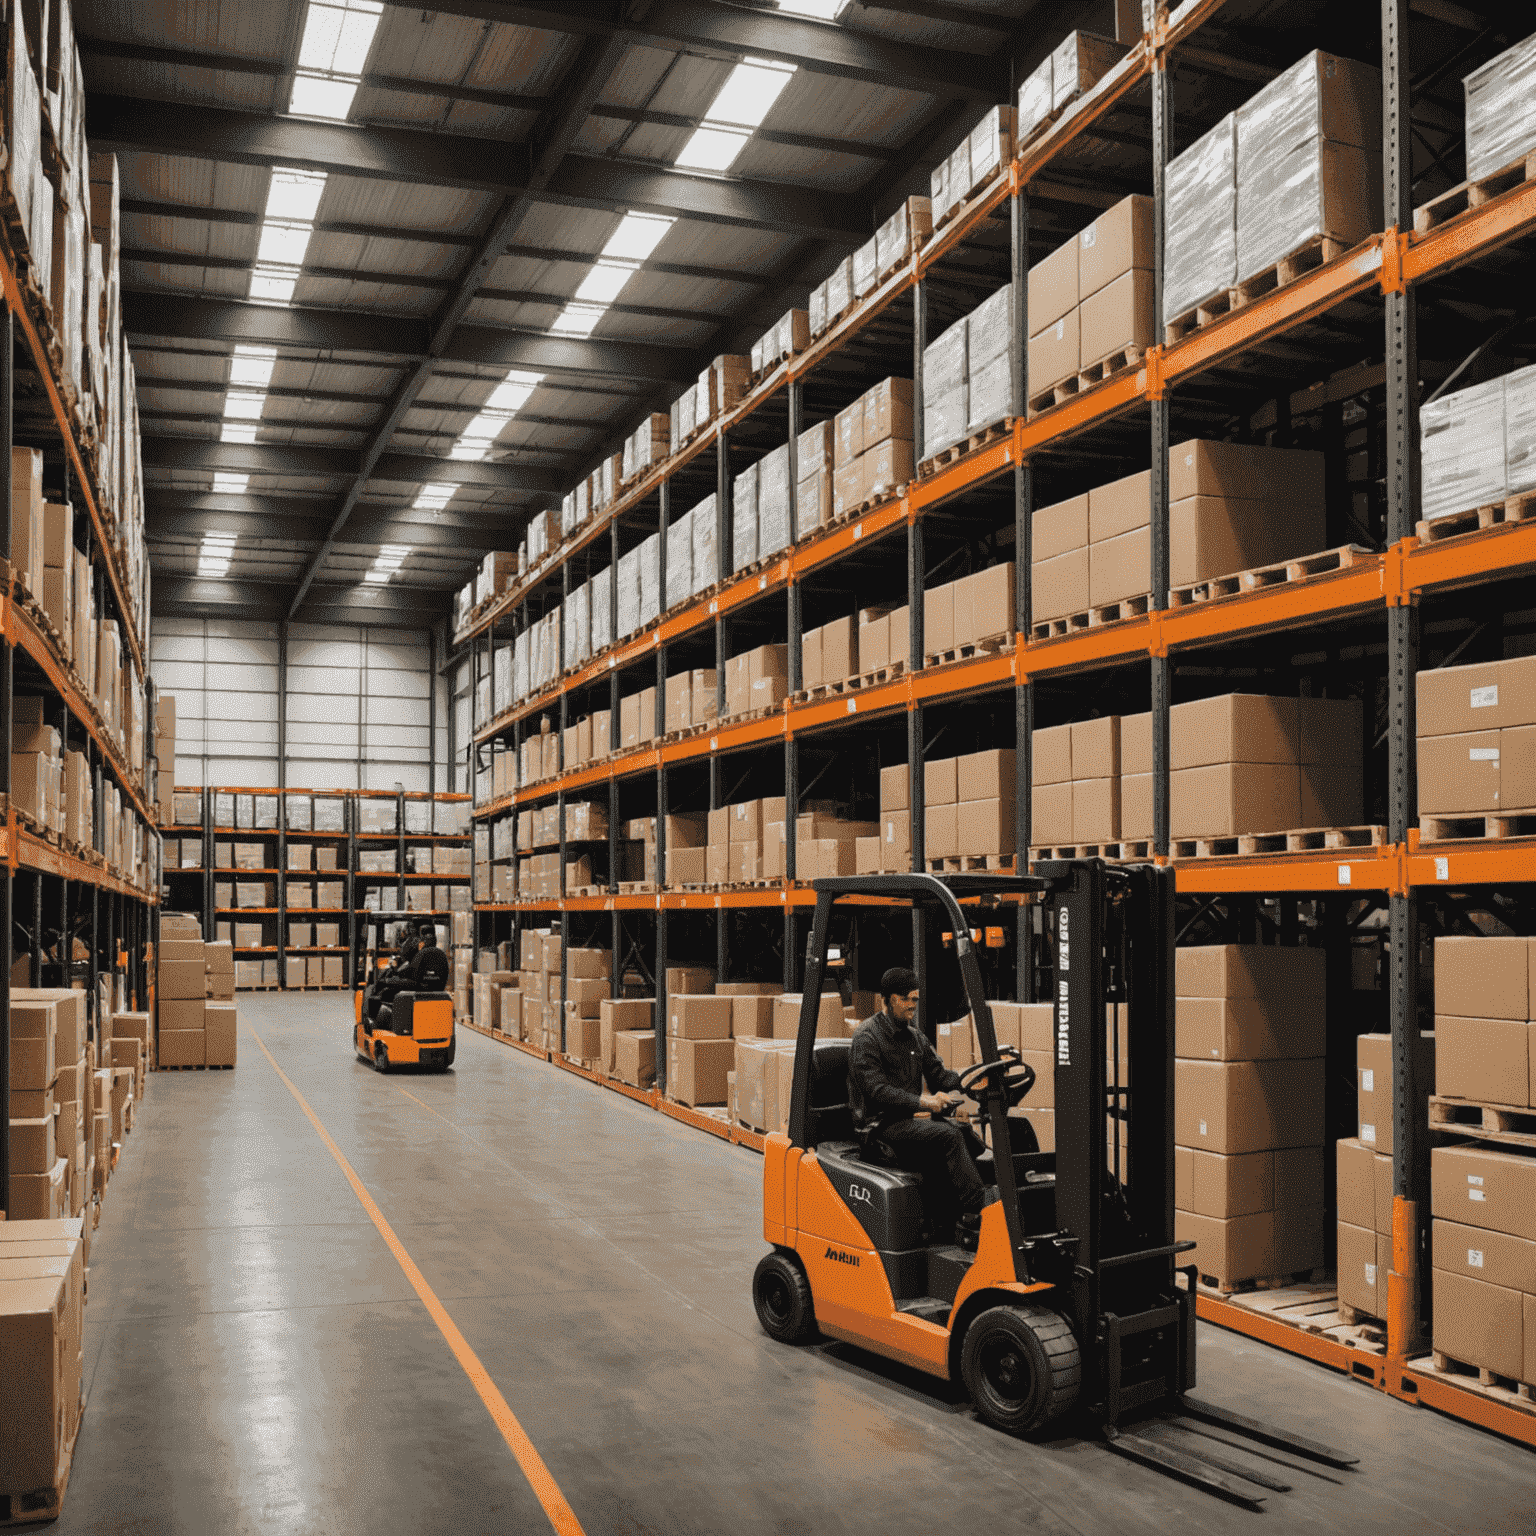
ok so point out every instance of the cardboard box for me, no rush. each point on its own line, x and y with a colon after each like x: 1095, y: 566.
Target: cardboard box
x: 1249, y: 1029
x: 1478, y: 1324
x: 1484, y: 1187
x: 1494, y: 1257
x: 698, y: 1017
x: 830, y: 1023
x: 1053, y: 350
x: 1483, y: 978
x: 182, y: 1048
x: 690, y: 979
x: 1362, y: 1274
x: 1054, y: 287
x: 34, y: 1340
x: 1118, y: 316
x: 1224, y: 799
x: 1059, y: 529
x: 941, y: 782
x: 1248, y: 1106
x: 1373, y: 1091
x: 1118, y: 241
x: 219, y: 1030
x: 696, y: 1069
x: 1483, y: 1059
x: 634, y: 1057
x: 1120, y: 568
x: 1249, y: 971
x: 616, y: 1015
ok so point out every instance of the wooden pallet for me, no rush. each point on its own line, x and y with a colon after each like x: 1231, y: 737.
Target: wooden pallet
x: 965, y: 446
x: 1508, y: 1123
x: 39, y: 1504
x: 998, y: 645
x: 1312, y: 1306
x: 1125, y: 851
x: 971, y: 864
x: 1513, y: 509
x: 1107, y: 367
x: 1505, y: 1389
x: 1472, y: 194
x: 1215, y: 1285
x: 228, y: 1066
x: 829, y: 690
x: 1217, y: 307
x: 1438, y: 829
x: 1264, y: 844
x: 1317, y: 252
x: 955, y: 209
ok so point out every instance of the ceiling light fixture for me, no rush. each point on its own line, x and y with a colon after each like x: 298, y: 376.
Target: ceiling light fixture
x: 740, y: 105
x: 507, y: 399
x: 214, y: 556
x: 389, y: 560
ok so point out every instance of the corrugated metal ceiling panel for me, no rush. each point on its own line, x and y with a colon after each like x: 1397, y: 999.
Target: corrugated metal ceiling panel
x: 402, y: 205
x: 137, y: 230
x: 180, y: 279
x: 234, y: 89
x: 197, y: 183
x: 379, y: 253
x: 382, y: 299
x: 267, y: 31
x: 765, y: 161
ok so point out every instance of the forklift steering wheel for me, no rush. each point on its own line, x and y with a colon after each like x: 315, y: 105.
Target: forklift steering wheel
x: 1018, y: 1077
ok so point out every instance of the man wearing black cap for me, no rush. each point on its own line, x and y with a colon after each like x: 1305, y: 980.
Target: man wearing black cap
x: 889, y: 1063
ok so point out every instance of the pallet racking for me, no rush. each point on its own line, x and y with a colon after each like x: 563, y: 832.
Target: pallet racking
x: 1287, y: 368
x: 51, y: 885
x: 415, y: 818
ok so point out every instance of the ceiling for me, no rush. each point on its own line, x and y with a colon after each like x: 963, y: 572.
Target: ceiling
x: 488, y: 153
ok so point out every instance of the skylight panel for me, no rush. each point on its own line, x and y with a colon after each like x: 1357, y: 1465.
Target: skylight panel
x: 226, y: 484
x: 637, y: 237
x: 822, y: 10
x: 251, y: 367
x: 513, y: 392
x: 750, y: 90
x: 578, y: 319
x: 712, y: 149
x: 338, y: 35
x: 389, y: 560
x: 604, y: 283
x: 433, y: 497
x: 294, y: 195
x: 215, y: 554
x: 283, y: 245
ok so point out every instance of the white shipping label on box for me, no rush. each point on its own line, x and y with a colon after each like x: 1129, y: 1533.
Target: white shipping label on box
x: 1368, y: 1080
x: 1474, y: 1258
x: 1368, y: 1133
x: 1485, y: 698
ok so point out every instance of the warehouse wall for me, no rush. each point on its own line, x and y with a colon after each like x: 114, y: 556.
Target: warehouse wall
x: 358, y: 704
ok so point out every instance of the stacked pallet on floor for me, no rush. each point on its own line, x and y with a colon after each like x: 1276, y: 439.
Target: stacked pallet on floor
x: 194, y: 997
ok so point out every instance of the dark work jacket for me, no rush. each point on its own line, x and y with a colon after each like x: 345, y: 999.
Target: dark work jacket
x: 428, y: 971
x: 888, y: 1064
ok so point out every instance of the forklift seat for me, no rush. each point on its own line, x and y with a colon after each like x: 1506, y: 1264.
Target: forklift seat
x: 828, y: 1117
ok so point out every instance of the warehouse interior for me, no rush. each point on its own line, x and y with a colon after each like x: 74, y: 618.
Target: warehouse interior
x: 796, y: 737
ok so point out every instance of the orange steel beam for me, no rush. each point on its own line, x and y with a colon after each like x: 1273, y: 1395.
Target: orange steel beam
x: 1495, y: 861
x: 1506, y: 549
x: 1472, y: 234
x: 1433, y: 1391
x: 1370, y: 869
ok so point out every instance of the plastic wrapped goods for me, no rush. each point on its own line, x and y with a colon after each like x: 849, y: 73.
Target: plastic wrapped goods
x: 1462, y: 450
x: 944, y: 390
x: 520, y: 648
x: 1080, y: 61
x: 744, y: 519
x: 991, y: 144
x: 839, y: 290
x: 629, y: 594
x: 679, y: 563
x: 538, y: 537
x: 687, y: 409
x: 650, y: 580
x: 650, y: 441
x: 988, y: 392
x: 773, y: 502
x: 818, y: 310
x: 1501, y: 110
x: 1302, y: 172
x: 989, y: 327
x: 938, y: 190
x: 601, y: 610
x: 865, y: 264
x: 903, y: 233
x: 1035, y: 109
x: 501, y: 679
x: 1200, y: 258
x: 578, y: 626
x: 1520, y: 431
x: 706, y: 571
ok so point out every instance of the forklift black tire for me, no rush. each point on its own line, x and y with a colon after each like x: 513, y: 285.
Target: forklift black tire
x: 1021, y: 1367
x: 380, y: 1058
x: 782, y: 1296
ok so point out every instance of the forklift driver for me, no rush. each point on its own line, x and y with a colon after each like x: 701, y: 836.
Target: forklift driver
x: 888, y: 1064
x: 425, y: 971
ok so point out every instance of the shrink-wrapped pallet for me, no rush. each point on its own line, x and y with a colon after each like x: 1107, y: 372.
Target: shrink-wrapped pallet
x: 944, y: 390
x: 577, y: 610
x: 989, y: 372
x: 501, y: 680
x: 687, y: 408
x: 773, y: 502
x: 1501, y: 110
x: 865, y: 268
x: 1520, y: 431
x: 650, y: 442
x: 839, y: 290
x: 1079, y: 62
x: 1201, y: 252
x: 568, y: 512
x: 706, y: 569
x: 991, y: 145
x: 520, y: 648
x: 1035, y: 110
x: 650, y: 580
x: 600, y: 610
x: 1462, y: 450
x: 629, y: 594
x: 817, y: 314
x: 1305, y: 165
x: 903, y: 233
x: 679, y: 562
x: 538, y: 537
x: 938, y: 190
x: 744, y: 518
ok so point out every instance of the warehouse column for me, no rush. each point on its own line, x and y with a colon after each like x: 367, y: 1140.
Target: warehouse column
x: 7, y: 364
x: 915, y: 758
x: 724, y: 561
x: 662, y: 800
x: 1162, y: 669
x: 613, y: 635
x: 1410, y: 1158
x: 796, y: 393
x: 791, y: 810
x: 1023, y: 593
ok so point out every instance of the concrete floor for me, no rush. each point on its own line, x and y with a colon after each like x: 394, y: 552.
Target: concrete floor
x: 257, y: 1361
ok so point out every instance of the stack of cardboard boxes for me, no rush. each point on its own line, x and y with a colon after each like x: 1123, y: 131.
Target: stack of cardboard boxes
x: 536, y: 985
x: 973, y: 611
x: 826, y: 841
x: 1030, y: 1029
x: 872, y: 446
x: 889, y: 850
x: 1239, y: 764
x: 627, y: 1040
x: 969, y: 805
x: 1483, y: 1198
x: 1249, y: 1038
x: 1477, y: 739
x: 50, y: 1066
x: 1232, y: 507
x: 194, y: 994
x: 884, y: 638
x: 757, y: 679
x: 1076, y: 64
x: 165, y: 753
x: 42, y: 1304
x: 691, y: 698
x: 789, y: 334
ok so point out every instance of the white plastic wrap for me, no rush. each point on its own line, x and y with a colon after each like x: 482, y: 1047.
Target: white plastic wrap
x: 650, y: 580
x: 629, y: 594
x: 1080, y: 61
x: 988, y: 393
x: 744, y: 518
x: 629, y: 457
x: 1520, y: 431
x: 679, y: 562
x: 520, y: 650
x: 578, y: 632
x: 1462, y: 450
x: 991, y: 144
x: 651, y: 442
x: 501, y: 679
x: 1201, y: 252
x: 1035, y: 100
x: 944, y: 390
x: 703, y: 519
x: 1501, y: 110
x: 687, y: 408
x: 567, y: 512
x: 989, y: 327
x: 938, y: 190
x: 864, y: 265
x: 773, y: 502
x: 818, y: 309
x: 1301, y: 172
x: 600, y: 610
x: 538, y: 537
x: 959, y: 172
x: 839, y: 289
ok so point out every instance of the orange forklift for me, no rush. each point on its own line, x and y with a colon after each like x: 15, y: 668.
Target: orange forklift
x: 400, y: 1028
x: 1071, y: 1298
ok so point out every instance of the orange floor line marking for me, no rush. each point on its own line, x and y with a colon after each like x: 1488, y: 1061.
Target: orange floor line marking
x: 540, y: 1479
